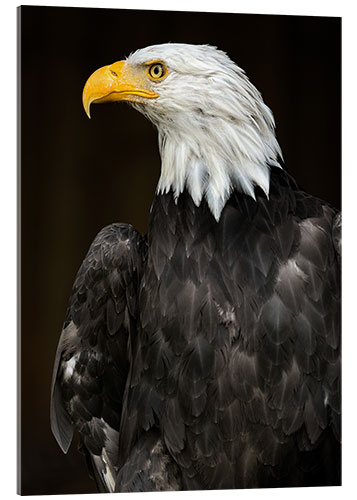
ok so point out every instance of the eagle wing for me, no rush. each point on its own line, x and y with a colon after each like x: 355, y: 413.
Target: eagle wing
x: 93, y: 355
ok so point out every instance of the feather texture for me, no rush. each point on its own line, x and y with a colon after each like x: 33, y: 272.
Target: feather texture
x: 92, y: 359
x: 209, y: 358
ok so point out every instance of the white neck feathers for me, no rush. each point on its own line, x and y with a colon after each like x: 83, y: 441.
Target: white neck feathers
x: 214, y: 161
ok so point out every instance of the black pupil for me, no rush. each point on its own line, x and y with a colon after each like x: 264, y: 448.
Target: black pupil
x: 157, y: 70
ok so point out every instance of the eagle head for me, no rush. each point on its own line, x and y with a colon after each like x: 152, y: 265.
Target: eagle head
x: 215, y: 132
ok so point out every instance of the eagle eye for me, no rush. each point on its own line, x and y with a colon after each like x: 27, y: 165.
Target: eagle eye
x: 157, y: 71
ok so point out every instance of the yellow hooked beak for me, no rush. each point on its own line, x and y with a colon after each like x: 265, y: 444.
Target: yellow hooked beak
x: 116, y: 82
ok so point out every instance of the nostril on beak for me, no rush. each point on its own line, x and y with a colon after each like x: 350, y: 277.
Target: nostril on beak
x: 113, y: 73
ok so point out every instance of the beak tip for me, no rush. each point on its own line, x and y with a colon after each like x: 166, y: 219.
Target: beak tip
x: 86, y: 106
x: 86, y: 100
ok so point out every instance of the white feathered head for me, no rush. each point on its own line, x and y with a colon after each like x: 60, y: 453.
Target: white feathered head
x: 215, y: 132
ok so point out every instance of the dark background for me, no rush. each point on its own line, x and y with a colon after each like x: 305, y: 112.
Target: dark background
x: 77, y: 175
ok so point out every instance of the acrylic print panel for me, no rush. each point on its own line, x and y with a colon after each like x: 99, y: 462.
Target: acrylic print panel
x: 79, y: 175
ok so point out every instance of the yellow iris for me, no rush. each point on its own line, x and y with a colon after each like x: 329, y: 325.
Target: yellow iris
x: 157, y: 71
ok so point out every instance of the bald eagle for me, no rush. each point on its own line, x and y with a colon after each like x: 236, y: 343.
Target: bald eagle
x: 206, y: 354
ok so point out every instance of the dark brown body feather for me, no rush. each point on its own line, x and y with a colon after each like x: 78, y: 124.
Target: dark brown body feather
x: 216, y: 346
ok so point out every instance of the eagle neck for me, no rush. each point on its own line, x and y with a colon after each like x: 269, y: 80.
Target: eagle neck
x: 212, y: 161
